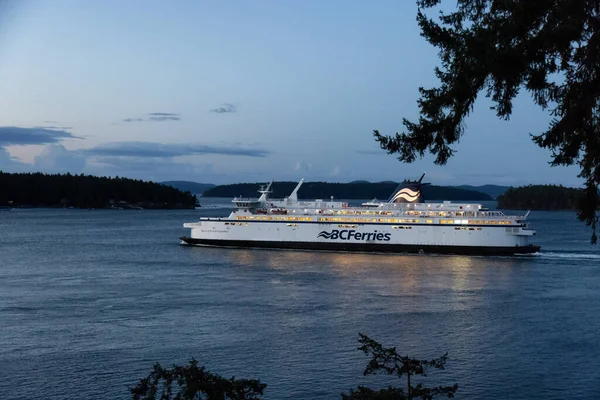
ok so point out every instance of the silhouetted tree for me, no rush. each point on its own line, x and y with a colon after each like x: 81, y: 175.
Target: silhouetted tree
x: 191, y: 382
x: 388, y: 361
x: 540, y: 197
x: 43, y: 190
x: 551, y: 48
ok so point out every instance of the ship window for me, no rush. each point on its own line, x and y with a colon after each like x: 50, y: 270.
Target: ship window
x: 457, y: 228
x: 478, y: 229
x: 471, y: 229
x: 429, y: 221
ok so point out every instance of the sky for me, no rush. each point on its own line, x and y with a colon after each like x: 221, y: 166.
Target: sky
x: 226, y: 92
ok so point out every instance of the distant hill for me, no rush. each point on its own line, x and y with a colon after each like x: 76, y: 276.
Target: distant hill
x: 540, y: 197
x: 86, y: 191
x: 353, y: 190
x: 187, y: 186
x: 492, y: 190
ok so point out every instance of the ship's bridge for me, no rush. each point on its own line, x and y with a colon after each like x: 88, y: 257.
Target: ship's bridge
x: 246, y: 203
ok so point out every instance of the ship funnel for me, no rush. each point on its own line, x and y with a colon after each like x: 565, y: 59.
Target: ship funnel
x: 409, y: 192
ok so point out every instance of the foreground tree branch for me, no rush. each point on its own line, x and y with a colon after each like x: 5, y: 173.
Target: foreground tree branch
x: 388, y: 361
x: 551, y: 48
x: 191, y: 382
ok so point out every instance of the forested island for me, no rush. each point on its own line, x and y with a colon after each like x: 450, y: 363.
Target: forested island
x: 187, y: 186
x: 352, y: 190
x: 85, y: 191
x: 540, y: 197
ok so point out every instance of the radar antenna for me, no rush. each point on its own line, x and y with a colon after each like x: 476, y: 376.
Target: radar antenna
x: 264, y: 191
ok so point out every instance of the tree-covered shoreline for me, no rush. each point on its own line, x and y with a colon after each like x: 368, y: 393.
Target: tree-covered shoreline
x: 540, y: 197
x: 346, y: 191
x: 86, y: 191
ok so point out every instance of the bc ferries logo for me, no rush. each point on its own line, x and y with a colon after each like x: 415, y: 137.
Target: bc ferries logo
x: 353, y: 235
x: 407, y: 195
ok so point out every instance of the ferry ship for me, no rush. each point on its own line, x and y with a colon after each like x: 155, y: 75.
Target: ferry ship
x: 403, y: 223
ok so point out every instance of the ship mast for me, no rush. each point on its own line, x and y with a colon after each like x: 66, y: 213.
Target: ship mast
x: 264, y: 191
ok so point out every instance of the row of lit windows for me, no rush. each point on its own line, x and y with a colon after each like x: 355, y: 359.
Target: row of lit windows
x: 473, y: 222
x: 269, y: 218
x: 345, y: 212
x: 464, y: 229
x: 383, y: 220
x: 237, y: 223
x: 402, y: 227
x: 416, y: 213
x: 380, y: 220
x: 347, y: 226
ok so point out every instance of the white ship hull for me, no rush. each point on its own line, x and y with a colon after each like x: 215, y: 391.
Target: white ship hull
x: 403, y: 224
x: 363, y: 237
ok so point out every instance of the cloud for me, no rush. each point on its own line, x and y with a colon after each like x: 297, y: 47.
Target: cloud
x: 156, y: 116
x: 56, y: 159
x: 60, y: 128
x: 161, y: 114
x: 162, y: 150
x: 14, y: 135
x: 225, y: 108
x: 302, y: 167
x: 154, y: 169
x: 9, y: 163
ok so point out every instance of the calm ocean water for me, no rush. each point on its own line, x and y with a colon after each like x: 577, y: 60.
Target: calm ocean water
x: 89, y: 300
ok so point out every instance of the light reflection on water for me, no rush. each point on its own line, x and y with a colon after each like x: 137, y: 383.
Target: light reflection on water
x: 86, y: 308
